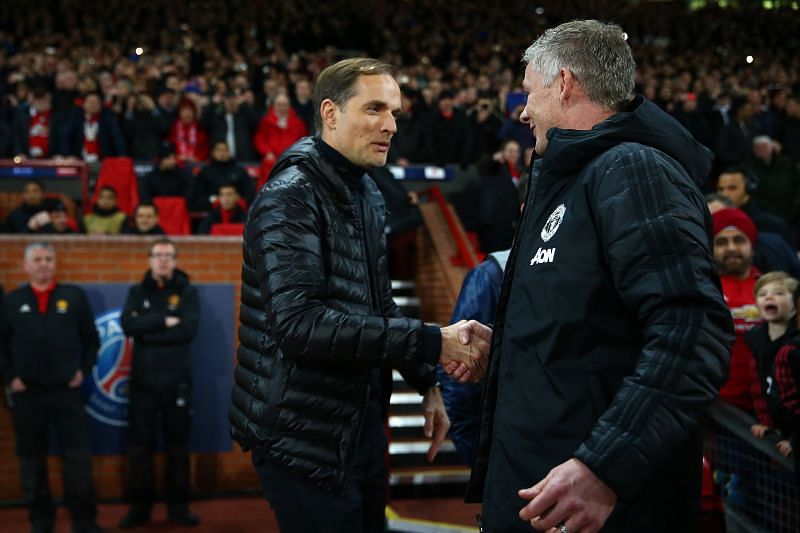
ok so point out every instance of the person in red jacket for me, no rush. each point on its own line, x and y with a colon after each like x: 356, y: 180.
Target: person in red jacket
x: 734, y: 237
x: 188, y: 136
x: 277, y: 131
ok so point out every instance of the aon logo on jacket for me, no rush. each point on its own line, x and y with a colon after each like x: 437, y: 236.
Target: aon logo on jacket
x: 543, y: 255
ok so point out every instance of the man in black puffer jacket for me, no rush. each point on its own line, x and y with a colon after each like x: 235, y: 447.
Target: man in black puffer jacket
x: 161, y: 314
x: 318, y: 324
x: 611, y: 335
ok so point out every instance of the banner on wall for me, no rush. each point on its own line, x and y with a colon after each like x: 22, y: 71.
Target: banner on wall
x: 212, y: 370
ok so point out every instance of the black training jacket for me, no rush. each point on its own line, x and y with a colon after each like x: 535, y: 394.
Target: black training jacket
x: 47, y: 348
x: 316, y: 315
x: 161, y: 354
x: 612, y: 335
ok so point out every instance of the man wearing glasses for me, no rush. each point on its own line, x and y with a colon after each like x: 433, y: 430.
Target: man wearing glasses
x: 161, y: 315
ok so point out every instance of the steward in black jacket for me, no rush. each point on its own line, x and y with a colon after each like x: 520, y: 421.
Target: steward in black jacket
x: 161, y: 314
x: 161, y: 354
x: 47, y: 349
x: 611, y: 336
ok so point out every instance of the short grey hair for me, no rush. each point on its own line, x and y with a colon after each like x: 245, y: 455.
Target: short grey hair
x: 38, y: 245
x: 596, y: 53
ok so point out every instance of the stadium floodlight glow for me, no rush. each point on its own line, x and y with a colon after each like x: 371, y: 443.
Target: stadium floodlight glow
x: 139, y: 51
x: 749, y: 59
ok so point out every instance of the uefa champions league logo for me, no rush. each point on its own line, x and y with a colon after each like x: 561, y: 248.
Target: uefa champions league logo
x: 108, y: 388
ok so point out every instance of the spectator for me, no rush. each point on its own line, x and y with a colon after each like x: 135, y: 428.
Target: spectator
x: 778, y: 179
x: 34, y: 128
x: 787, y: 381
x: 227, y: 208
x: 448, y: 133
x: 735, y: 138
x: 277, y: 131
x: 734, y: 236
x: 791, y: 129
x: 222, y: 170
x: 737, y: 185
x: 770, y: 251
x: 233, y: 122
x: 105, y: 218
x: 33, y: 203
x: 486, y: 126
x: 161, y: 314
x: 48, y: 346
x: 775, y: 302
x: 92, y: 132
x: 53, y: 220
x: 144, y: 127
x: 693, y: 120
x: 498, y: 198
x: 145, y: 221
x: 167, y: 178
x: 302, y: 105
x: 188, y: 136
x: 408, y: 145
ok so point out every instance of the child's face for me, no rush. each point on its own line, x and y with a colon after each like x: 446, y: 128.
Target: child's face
x: 774, y: 302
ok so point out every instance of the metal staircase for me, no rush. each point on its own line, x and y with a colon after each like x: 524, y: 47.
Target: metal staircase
x: 411, y: 476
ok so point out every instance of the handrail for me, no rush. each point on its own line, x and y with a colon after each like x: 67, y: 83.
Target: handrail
x: 466, y: 254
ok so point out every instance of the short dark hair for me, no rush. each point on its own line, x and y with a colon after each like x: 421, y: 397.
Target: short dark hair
x: 108, y: 188
x: 337, y: 82
x: 163, y: 241
x: 38, y: 183
x: 147, y: 204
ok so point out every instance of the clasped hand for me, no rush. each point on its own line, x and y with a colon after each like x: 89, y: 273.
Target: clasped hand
x: 465, y: 350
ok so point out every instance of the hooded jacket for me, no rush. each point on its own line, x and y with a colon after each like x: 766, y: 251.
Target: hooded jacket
x: 161, y: 354
x: 612, y: 335
x: 316, y: 316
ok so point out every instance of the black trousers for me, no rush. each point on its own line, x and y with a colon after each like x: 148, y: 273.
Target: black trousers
x: 302, y: 507
x: 173, y: 405
x: 34, y: 411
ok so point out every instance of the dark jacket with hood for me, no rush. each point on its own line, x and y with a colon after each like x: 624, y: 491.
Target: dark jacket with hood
x: 317, y: 316
x: 612, y: 335
x: 161, y: 354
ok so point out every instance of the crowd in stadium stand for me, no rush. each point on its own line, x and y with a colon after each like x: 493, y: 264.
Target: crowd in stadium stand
x: 228, y: 82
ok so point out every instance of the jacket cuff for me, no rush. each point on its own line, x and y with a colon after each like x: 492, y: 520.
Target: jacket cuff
x: 625, y: 474
x: 431, y: 344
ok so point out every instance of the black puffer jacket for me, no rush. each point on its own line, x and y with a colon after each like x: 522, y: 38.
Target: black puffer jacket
x: 316, y: 315
x: 612, y: 335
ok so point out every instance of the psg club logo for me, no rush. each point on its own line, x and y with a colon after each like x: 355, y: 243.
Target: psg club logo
x: 108, y: 388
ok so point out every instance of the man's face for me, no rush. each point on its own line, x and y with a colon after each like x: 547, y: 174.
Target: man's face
x: 162, y: 260
x: 40, y: 265
x: 774, y: 302
x: 303, y: 90
x: 511, y: 152
x: 231, y: 104
x: 146, y: 219
x: 92, y: 104
x: 41, y: 103
x: 227, y: 198
x: 731, y: 185
x: 281, y: 105
x: 168, y: 162
x: 59, y: 220
x: 220, y: 152
x: 763, y: 150
x: 32, y: 195
x: 362, y: 129
x: 106, y: 199
x: 733, y: 253
x: 541, y: 109
x: 186, y: 114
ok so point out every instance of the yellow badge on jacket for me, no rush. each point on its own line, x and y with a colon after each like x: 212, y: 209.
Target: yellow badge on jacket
x: 173, y: 301
x: 62, y: 306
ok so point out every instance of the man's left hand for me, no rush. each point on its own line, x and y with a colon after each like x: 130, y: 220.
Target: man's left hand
x: 437, y: 423
x: 76, y: 380
x: 570, y: 495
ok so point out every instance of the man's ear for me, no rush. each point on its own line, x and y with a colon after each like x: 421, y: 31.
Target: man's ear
x: 327, y: 111
x: 567, y: 83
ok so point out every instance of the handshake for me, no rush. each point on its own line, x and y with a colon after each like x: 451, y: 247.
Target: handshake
x: 465, y: 350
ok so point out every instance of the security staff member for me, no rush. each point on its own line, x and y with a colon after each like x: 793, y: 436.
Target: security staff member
x: 48, y: 345
x: 161, y: 315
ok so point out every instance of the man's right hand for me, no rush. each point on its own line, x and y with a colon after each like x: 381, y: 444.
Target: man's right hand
x: 17, y: 385
x: 172, y: 321
x: 465, y: 350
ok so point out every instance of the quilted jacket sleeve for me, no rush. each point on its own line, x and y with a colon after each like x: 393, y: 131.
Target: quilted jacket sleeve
x: 653, y: 222
x: 286, y: 238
